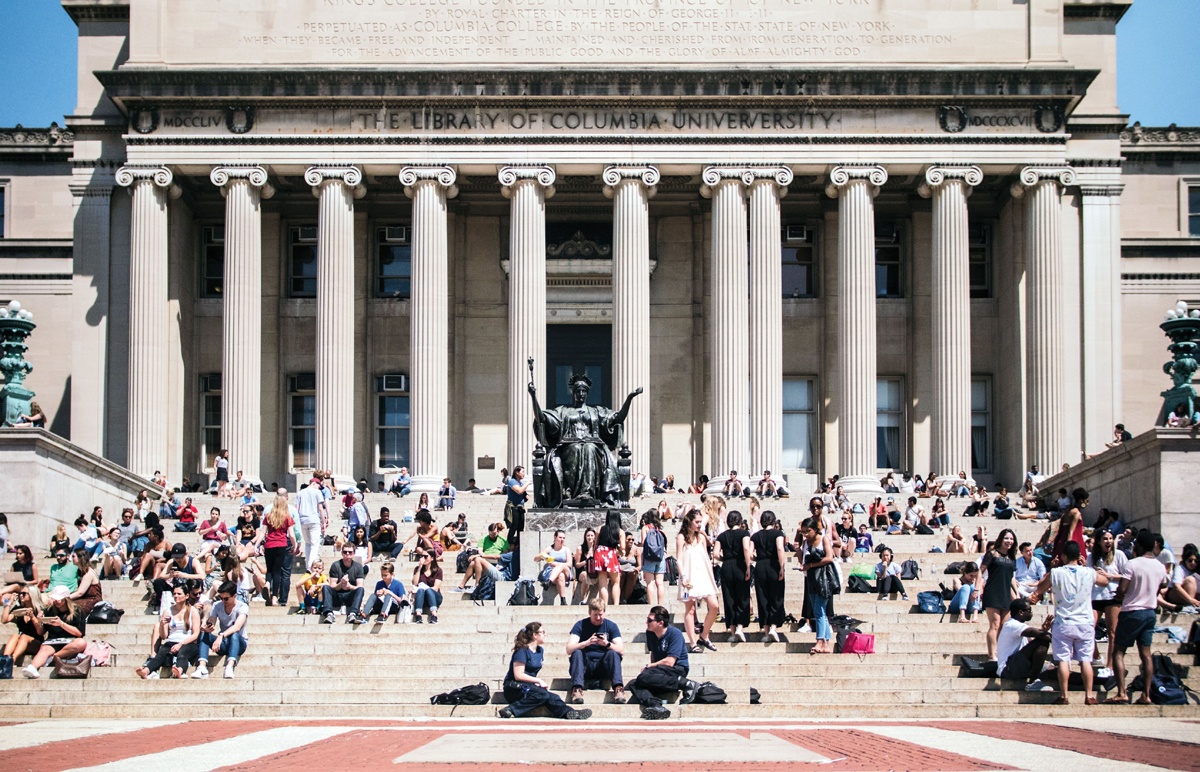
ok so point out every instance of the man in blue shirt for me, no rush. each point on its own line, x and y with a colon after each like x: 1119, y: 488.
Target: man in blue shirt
x: 668, y: 668
x: 595, y: 648
x: 402, y: 485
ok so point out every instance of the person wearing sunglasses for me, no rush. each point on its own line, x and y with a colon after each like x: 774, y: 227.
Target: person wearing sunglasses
x: 224, y: 632
x: 344, y: 588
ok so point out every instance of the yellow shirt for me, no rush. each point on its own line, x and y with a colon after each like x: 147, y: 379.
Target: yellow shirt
x: 312, y: 581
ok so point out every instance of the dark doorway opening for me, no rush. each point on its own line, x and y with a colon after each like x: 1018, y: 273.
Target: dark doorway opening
x: 578, y: 348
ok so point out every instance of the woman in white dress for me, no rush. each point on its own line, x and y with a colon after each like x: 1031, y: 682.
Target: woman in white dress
x: 696, y: 581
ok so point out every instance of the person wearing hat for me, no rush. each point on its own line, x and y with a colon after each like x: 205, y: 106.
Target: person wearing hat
x: 171, y: 574
x: 63, y: 625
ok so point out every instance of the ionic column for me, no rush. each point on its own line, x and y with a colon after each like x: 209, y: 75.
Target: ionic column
x: 429, y: 362
x: 631, y: 188
x: 335, y: 187
x: 241, y: 357
x: 949, y: 187
x: 766, y: 319
x: 527, y: 188
x: 150, y: 188
x: 729, y: 338
x: 855, y: 188
x: 1044, y: 377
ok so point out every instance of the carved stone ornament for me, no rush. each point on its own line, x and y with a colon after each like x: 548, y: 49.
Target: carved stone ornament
x: 161, y: 176
x: 1033, y: 175
x: 509, y: 176
x: 255, y: 175
x: 446, y: 176
x: 613, y: 176
x: 840, y: 176
x: 143, y: 120
x: 952, y: 118
x: 712, y: 176
x: 351, y: 176
x: 579, y: 245
x: 239, y: 119
x: 938, y: 175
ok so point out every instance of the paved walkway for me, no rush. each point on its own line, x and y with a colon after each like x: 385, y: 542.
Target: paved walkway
x: 538, y: 745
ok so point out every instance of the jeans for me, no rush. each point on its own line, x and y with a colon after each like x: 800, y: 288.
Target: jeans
x: 596, y: 666
x: 959, y: 603
x: 310, y: 533
x: 384, y: 606
x: 820, y: 610
x: 426, y: 597
x: 232, y: 646
x: 349, y: 599
x: 401, y: 490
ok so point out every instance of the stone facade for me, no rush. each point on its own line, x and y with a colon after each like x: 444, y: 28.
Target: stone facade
x: 932, y: 262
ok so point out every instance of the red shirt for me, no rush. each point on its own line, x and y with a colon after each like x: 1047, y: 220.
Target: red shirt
x: 277, y: 538
x: 187, y: 514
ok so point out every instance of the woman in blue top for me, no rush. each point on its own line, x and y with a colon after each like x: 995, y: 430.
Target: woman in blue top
x: 523, y: 689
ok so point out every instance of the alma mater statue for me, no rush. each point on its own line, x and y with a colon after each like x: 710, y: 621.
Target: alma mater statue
x: 581, y: 442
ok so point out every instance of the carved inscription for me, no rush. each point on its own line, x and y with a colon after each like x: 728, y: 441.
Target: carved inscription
x: 595, y: 32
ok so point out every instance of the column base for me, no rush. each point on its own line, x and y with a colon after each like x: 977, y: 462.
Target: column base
x: 953, y: 483
x: 861, y: 484
x: 427, y: 483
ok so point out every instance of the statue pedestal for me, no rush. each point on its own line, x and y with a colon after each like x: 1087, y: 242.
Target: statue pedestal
x: 540, y: 525
x: 16, y: 401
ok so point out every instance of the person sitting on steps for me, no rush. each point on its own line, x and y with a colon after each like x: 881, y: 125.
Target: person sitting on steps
x: 224, y: 632
x: 389, y: 595
x: 178, y: 637
x: 344, y: 588
x: 523, y: 689
x: 595, y: 648
x: 557, y: 569
x: 668, y: 668
x: 63, y: 627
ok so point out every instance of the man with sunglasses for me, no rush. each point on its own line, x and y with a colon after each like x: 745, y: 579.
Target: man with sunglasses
x: 344, y: 588
x: 64, y: 573
x: 668, y: 668
x: 224, y: 632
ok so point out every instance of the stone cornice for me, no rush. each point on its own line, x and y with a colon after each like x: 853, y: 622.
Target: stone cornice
x: 22, y: 144
x: 96, y: 10
x: 1103, y: 9
x: 1171, y: 135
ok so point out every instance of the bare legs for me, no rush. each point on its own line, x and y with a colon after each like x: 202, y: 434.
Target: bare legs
x: 995, y: 619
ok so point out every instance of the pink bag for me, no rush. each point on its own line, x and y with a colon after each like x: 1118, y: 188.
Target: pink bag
x: 859, y: 643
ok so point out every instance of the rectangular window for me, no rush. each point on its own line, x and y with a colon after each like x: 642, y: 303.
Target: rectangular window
x: 979, y: 246
x: 210, y: 429
x: 981, y: 425
x: 889, y: 256
x: 799, y: 261
x: 1193, y: 211
x: 888, y: 422
x: 302, y: 261
x: 212, y: 259
x: 799, y: 424
x: 393, y: 276
x: 302, y: 420
x: 392, y: 421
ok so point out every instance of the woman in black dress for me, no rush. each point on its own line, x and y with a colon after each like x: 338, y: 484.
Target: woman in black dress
x: 999, y: 566
x: 768, y: 575
x: 733, y: 551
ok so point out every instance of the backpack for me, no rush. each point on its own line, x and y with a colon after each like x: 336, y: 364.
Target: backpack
x: 1167, y: 687
x: 104, y: 613
x: 858, y: 584
x: 931, y: 603
x: 484, y: 590
x: 948, y: 594
x: 524, y: 594
x: 464, y: 557
x: 954, y: 568
x: 6, y: 667
x: 709, y: 694
x: 475, y: 694
x: 910, y: 570
x: 672, y: 573
x: 638, y: 596
x: 655, y: 545
x: 924, y: 530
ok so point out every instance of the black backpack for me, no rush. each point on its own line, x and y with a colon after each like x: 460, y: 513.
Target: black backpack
x: 104, y: 613
x: 485, y: 590
x: 709, y: 694
x: 475, y: 694
x: 954, y: 568
x: 858, y: 584
x: 524, y: 594
x: 909, y: 569
x: 464, y: 557
x: 672, y: 573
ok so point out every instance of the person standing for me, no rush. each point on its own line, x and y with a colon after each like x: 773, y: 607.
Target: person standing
x: 768, y: 544
x: 818, y: 558
x: 733, y: 551
x: 652, y: 558
x: 696, y: 582
x: 221, y: 463
x: 999, y: 568
x: 278, y: 547
x: 313, y: 516
x: 1073, y: 636
x: 1138, y: 595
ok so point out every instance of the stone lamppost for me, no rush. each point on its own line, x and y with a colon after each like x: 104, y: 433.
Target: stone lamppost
x: 1182, y: 326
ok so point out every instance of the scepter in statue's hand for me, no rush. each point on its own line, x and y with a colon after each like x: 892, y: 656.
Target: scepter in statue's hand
x: 537, y: 409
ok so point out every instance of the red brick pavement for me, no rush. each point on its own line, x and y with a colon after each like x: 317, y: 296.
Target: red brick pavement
x: 359, y: 749
x: 853, y: 749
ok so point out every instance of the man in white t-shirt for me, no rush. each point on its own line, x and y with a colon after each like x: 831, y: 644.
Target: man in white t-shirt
x: 914, y: 516
x: 1073, y: 635
x: 225, y: 631
x: 313, y: 519
x: 1021, y: 649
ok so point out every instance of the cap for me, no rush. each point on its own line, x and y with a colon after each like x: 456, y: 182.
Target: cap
x: 891, y: 500
x: 179, y: 549
x: 60, y: 593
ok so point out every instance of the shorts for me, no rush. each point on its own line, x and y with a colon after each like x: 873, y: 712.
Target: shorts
x: 1135, y: 627
x: 652, y: 566
x: 1072, y: 642
x: 606, y: 560
x: 1101, y: 605
x: 491, y: 570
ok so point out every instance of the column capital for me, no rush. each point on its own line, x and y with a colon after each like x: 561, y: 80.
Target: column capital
x: 543, y: 175
x: 350, y: 176
x: 712, y: 176
x: 843, y: 174
x: 255, y: 175
x: 444, y: 176
x: 1030, y: 176
x: 160, y: 176
x: 936, y: 176
x: 613, y: 176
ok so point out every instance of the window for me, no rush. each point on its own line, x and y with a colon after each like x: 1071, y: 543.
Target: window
x: 981, y: 418
x: 393, y: 272
x: 302, y: 419
x: 302, y: 261
x: 888, y: 260
x: 210, y: 429
x: 393, y: 420
x: 799, y: 422
x: 1193, y: 211
x: 212, y: 257
x: 979, y: 248
x: 799, y: 262
x: 889, y: 417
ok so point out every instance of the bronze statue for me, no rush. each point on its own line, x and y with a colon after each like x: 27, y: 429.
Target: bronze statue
x: 581, y: 441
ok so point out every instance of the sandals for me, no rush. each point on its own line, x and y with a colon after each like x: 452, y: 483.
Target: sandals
x: 695, y: 648
x: 1117, y: 701
x: 1061, y: 701
x: 1091, y: 701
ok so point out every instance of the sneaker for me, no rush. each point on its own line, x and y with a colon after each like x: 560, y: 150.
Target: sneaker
x: 578, y: 715
x: 327, y: 619
x: 620, y: 696
x: 201, y: 671
x: 1039, y: 686
x: 505, y: 713
x: 1104, y: 673
x: 688, y: 694
x: 381, y: 618
x: 419, y: 619
x: 433, y: 619
x: 152, y: 675
x: 904, y: 598
x: 229, y: 666
x: 656, y: 713
x: 29, y: 671
x: 576, y: 696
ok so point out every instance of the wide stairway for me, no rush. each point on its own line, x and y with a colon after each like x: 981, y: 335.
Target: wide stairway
x: 297, y: 667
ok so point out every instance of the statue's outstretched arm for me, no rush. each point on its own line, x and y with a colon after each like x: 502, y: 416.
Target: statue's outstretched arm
x: 624, y: 411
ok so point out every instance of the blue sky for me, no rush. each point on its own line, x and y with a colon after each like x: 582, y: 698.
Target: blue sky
x: 1158, y: 62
